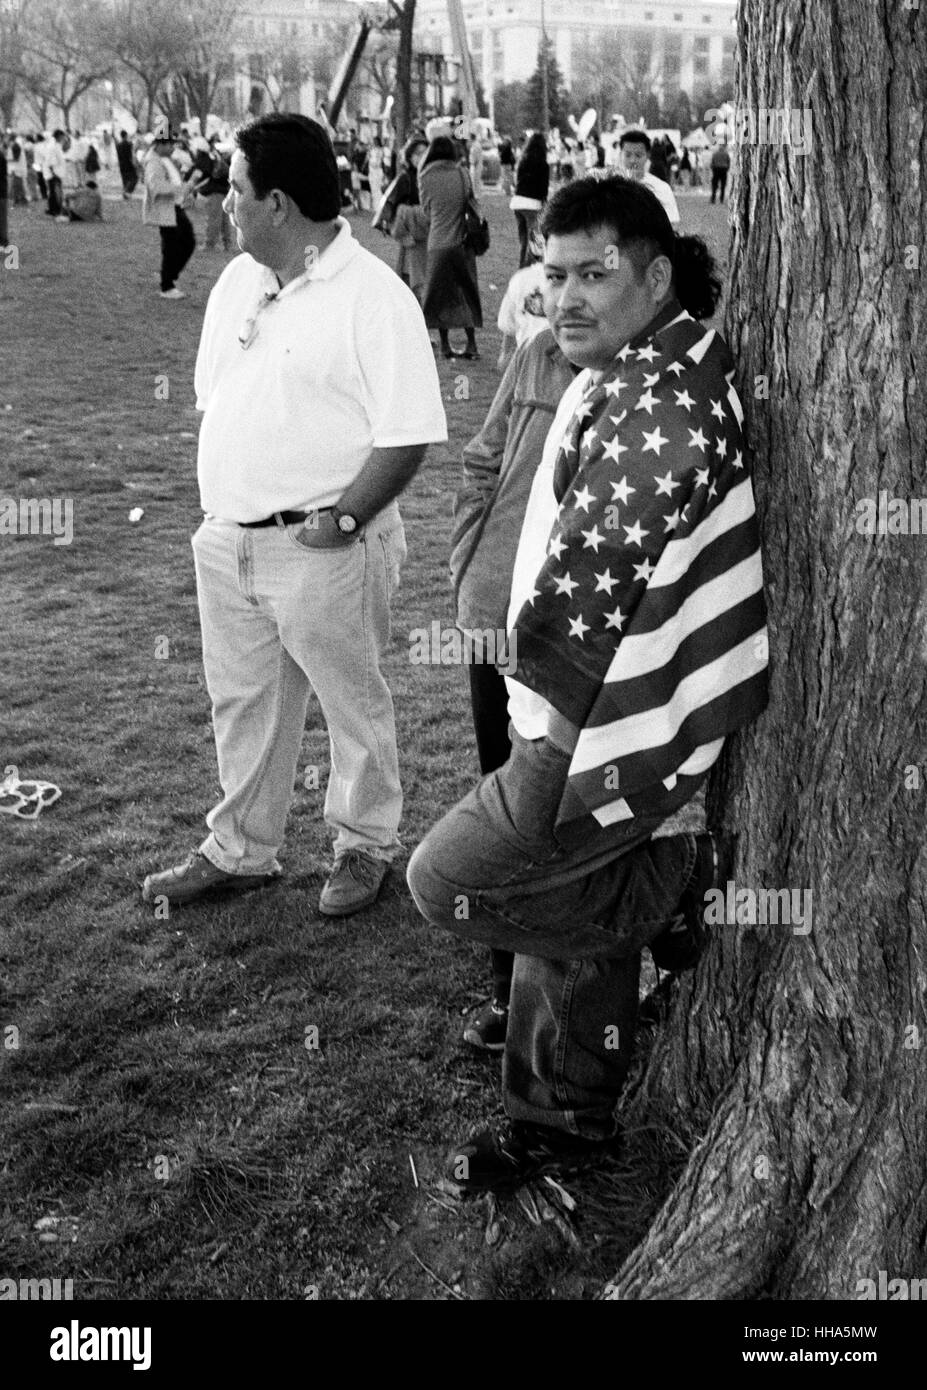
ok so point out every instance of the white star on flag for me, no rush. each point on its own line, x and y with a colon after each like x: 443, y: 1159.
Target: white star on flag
x: 737, y: 461
x: 665, y: 484
x: 613, y: 450
x: 635, y: 534
x: 566, y: 585
x: 684, y: 399
x: 698, y: 440
x: 567, y: 444
x: 625, y: 352
x: 654, y: 440
x: 615, y: 619
x: 605, y: 583
x: 647, y: 402
x: 712, y: 491
x: 676, y: 368
x: 671, y: 521
x: 643, y: 571
x: 701, y: 477
x: 717, y: 409
x: 647, y: 354
x: 582, y: 499
x: 588, y: 437
x: 616, y: 386
x: 622, y: 490
x: 578, y: 627
x: 721, y: 446
x: 556, y: 547
x: 582, y: 410
x: 651, y: 379
x: 593, y: 539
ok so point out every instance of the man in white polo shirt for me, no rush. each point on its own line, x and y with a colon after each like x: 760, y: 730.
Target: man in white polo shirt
x: 635, y: 157
x: 320, y: 396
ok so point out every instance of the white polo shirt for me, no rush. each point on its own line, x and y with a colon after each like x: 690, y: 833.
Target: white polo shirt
x: 667, y: 197
x: 340, y: 363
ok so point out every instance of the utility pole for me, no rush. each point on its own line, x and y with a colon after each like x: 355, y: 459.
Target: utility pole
x: 545, y: 96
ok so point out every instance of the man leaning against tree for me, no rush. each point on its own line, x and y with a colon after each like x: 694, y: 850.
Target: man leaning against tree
x: 637, y: 622
x: 320, y: 396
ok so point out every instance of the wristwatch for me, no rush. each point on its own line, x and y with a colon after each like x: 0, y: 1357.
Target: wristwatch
x: 346, y: 523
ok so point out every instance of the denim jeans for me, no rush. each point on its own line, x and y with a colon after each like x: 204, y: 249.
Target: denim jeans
x: 576, y: 904
x: 279, y: 620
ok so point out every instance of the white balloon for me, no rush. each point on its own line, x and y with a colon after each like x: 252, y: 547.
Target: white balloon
x: 586, y: 121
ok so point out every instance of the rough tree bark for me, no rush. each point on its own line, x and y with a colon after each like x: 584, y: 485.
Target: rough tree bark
x: 799, y: 1063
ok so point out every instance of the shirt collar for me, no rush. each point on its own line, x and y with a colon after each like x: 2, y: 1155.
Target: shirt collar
x: 333, y: 259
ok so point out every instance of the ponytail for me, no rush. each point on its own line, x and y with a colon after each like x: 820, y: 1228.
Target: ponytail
x: 695, y: 276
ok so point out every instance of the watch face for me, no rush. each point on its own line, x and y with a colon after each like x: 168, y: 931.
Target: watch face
x: 347, y: 524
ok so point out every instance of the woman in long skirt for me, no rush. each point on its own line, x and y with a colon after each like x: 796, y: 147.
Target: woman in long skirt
x: 452, y: 296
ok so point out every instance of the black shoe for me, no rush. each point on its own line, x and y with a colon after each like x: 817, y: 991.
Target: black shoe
x: 513, y: 1152
x: 681, y: 946
x: 487, y: 1027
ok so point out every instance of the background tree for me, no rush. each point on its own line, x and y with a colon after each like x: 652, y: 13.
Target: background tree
x: 597, y: 66
x: 13, y: 15
x: 797, y: 1065
x: 558, y: 101
x: 638, y: 78
x: 209, y: 53
x: 147, y: 39
x: 63, y: 53
x: 510, y: 101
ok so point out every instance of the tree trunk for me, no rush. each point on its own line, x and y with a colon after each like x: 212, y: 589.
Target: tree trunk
x: 402, y: 110
x: 797, y: 1064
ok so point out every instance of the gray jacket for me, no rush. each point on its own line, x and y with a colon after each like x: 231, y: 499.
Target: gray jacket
x: 499, y: 465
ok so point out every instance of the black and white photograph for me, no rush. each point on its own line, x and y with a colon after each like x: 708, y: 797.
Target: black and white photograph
x: 463, y: 624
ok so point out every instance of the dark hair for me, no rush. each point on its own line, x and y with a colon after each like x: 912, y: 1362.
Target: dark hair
x: 441, y: 147
x: 413, y: 143
x: 294, y: 154
x: 640, y: 226
x: 635, y: 137
x: 535, y: 150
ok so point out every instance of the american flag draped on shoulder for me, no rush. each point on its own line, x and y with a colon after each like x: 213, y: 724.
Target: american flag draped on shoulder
x: 647, y: 625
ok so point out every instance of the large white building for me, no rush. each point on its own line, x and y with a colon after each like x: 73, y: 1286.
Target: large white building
x: 685, y: 44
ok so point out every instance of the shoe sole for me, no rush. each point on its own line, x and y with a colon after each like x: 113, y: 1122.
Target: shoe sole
x: 150, y: 894
x: 473, y: 1040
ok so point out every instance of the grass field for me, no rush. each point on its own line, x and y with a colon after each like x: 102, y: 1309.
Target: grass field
x: 157, y: 1098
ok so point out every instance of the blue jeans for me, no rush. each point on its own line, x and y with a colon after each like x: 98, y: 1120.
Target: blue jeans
x: 576, y: 904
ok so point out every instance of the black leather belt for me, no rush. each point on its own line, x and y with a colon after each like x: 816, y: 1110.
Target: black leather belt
x: 287, y: 518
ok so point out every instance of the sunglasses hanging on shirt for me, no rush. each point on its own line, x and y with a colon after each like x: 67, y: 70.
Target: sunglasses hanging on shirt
x: 249, y: 329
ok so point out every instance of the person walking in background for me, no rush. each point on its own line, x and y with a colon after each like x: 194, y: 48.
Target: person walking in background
x: 4, y: 200
x: 19, y: 173
x: 320, y: 397
x: 128, y: 172
x: 35, y: 176
x: 506, y: 166
x: 532, y: 181
x: 214, y: 189
x: 475, y: 159
x: 375, y: 157
x: 498, y: 469
x: 165, y: 197
x: 452, y: 296
x: 403, y: 193
x: 55, y: 168
x: 720, y: 163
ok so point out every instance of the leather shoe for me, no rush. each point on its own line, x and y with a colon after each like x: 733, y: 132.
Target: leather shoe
x: 353, y: 884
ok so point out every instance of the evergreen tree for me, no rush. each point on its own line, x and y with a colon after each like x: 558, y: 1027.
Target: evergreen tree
x: 558, y: 102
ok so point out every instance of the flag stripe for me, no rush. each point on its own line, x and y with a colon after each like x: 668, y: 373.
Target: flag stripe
x: 657, y: 728
x: 647, y: 766
x: 734, y: 509
x: 655, y: 688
